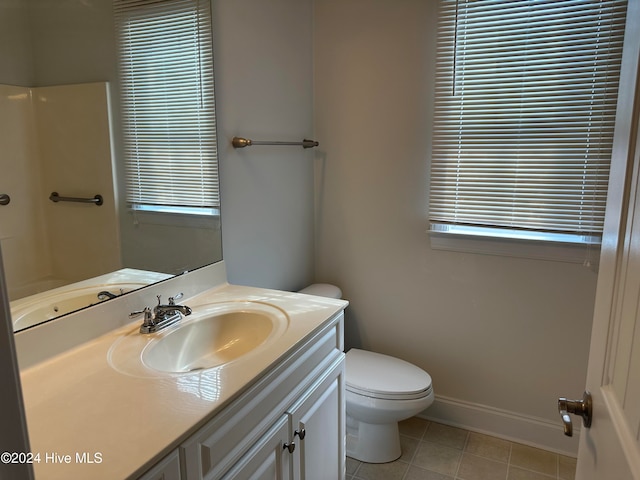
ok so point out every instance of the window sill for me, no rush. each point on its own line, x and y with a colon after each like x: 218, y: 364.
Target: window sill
x: 511, y: 247
x: 176, y: 218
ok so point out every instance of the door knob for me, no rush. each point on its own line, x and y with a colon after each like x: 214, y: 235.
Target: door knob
x: 582, y: 407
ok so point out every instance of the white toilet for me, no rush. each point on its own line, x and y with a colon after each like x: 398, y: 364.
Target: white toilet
x: 381, y: 391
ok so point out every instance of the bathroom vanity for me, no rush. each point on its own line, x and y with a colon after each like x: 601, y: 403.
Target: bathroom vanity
x: 111, y: 407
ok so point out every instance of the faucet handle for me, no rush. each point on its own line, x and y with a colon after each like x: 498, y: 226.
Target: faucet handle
x: 139, y: 312
x: 148, y: 318
x: 147, y: 324
x: 172, y: 300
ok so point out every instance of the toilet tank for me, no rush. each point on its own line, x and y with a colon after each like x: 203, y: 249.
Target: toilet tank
x: 323, y: 290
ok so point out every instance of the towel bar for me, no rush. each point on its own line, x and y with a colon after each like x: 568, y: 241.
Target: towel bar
x: 239, y: 142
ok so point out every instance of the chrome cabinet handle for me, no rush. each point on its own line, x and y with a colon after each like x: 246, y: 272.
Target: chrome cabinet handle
x: 300, y: 433
x: 583, y: 407
x: 289, y: 446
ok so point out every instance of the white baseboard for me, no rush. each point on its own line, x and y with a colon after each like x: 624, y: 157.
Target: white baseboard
x: 528, y: 430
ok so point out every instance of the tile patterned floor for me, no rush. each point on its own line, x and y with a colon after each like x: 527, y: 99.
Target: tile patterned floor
x: 432, y: 451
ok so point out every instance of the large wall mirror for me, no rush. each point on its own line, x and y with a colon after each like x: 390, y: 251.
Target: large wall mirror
x: 60, y: 132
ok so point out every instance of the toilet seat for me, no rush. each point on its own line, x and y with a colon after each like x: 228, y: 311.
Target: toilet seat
x: 380, y: 376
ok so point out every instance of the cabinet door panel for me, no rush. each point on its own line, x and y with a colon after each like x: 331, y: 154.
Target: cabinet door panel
x: 166, y: 469
x: 319, y: 418
x: 267, y: 459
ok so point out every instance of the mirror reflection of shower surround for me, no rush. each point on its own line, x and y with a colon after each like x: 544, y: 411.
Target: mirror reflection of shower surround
x: 62, y: 141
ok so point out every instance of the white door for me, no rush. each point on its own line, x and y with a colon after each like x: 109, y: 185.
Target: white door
x: 610, y: 448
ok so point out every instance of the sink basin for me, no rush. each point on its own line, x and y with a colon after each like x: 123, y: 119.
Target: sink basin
x: 214, y: 336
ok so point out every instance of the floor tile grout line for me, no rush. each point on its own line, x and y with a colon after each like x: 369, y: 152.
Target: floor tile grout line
x: 461, y: 456
x: 354, y: 474
x: 419, y: 441
x: 552, y: 477
x: 509, y: 459
x: 415, y: 452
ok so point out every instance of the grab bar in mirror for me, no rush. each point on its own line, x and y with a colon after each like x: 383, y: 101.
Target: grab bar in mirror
x: 4, y: 199
x: 55, y: 197
x: 239, y: 142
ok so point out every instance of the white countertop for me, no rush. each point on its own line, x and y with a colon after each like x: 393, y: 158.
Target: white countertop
x: 78, y: 404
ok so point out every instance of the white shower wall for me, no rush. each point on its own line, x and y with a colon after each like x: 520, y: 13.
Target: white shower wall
x: 22, y: 227
x: 56, y: 139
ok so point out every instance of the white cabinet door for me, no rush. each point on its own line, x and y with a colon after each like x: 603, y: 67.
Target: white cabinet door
x: 166, y: 469
x: 318, y: 429
x: 268, y: 459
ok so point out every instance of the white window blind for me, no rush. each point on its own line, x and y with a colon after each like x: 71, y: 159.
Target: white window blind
x: 525, y: 104
x: 167, y: 98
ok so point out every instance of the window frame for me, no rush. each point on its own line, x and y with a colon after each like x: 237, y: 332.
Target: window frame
x: 503, y: 241
x: 168, y: 123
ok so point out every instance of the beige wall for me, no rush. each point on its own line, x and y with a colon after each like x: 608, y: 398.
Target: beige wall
x: 263, y: 60
x: 15, y: 44
x: 502, y: 337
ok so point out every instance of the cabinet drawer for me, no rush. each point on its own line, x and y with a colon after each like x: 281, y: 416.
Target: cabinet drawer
x: 211, y: 451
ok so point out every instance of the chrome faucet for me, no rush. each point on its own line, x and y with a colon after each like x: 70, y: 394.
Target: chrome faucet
x: 105, y: 294
x: 162, y: 315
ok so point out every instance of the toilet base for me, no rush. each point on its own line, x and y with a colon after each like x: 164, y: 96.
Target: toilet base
x: 373, y: 443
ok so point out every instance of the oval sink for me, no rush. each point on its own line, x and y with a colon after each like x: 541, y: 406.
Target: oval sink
x: 214, y: 338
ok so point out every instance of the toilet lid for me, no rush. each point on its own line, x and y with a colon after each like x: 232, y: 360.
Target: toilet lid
x: 381, y: 376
